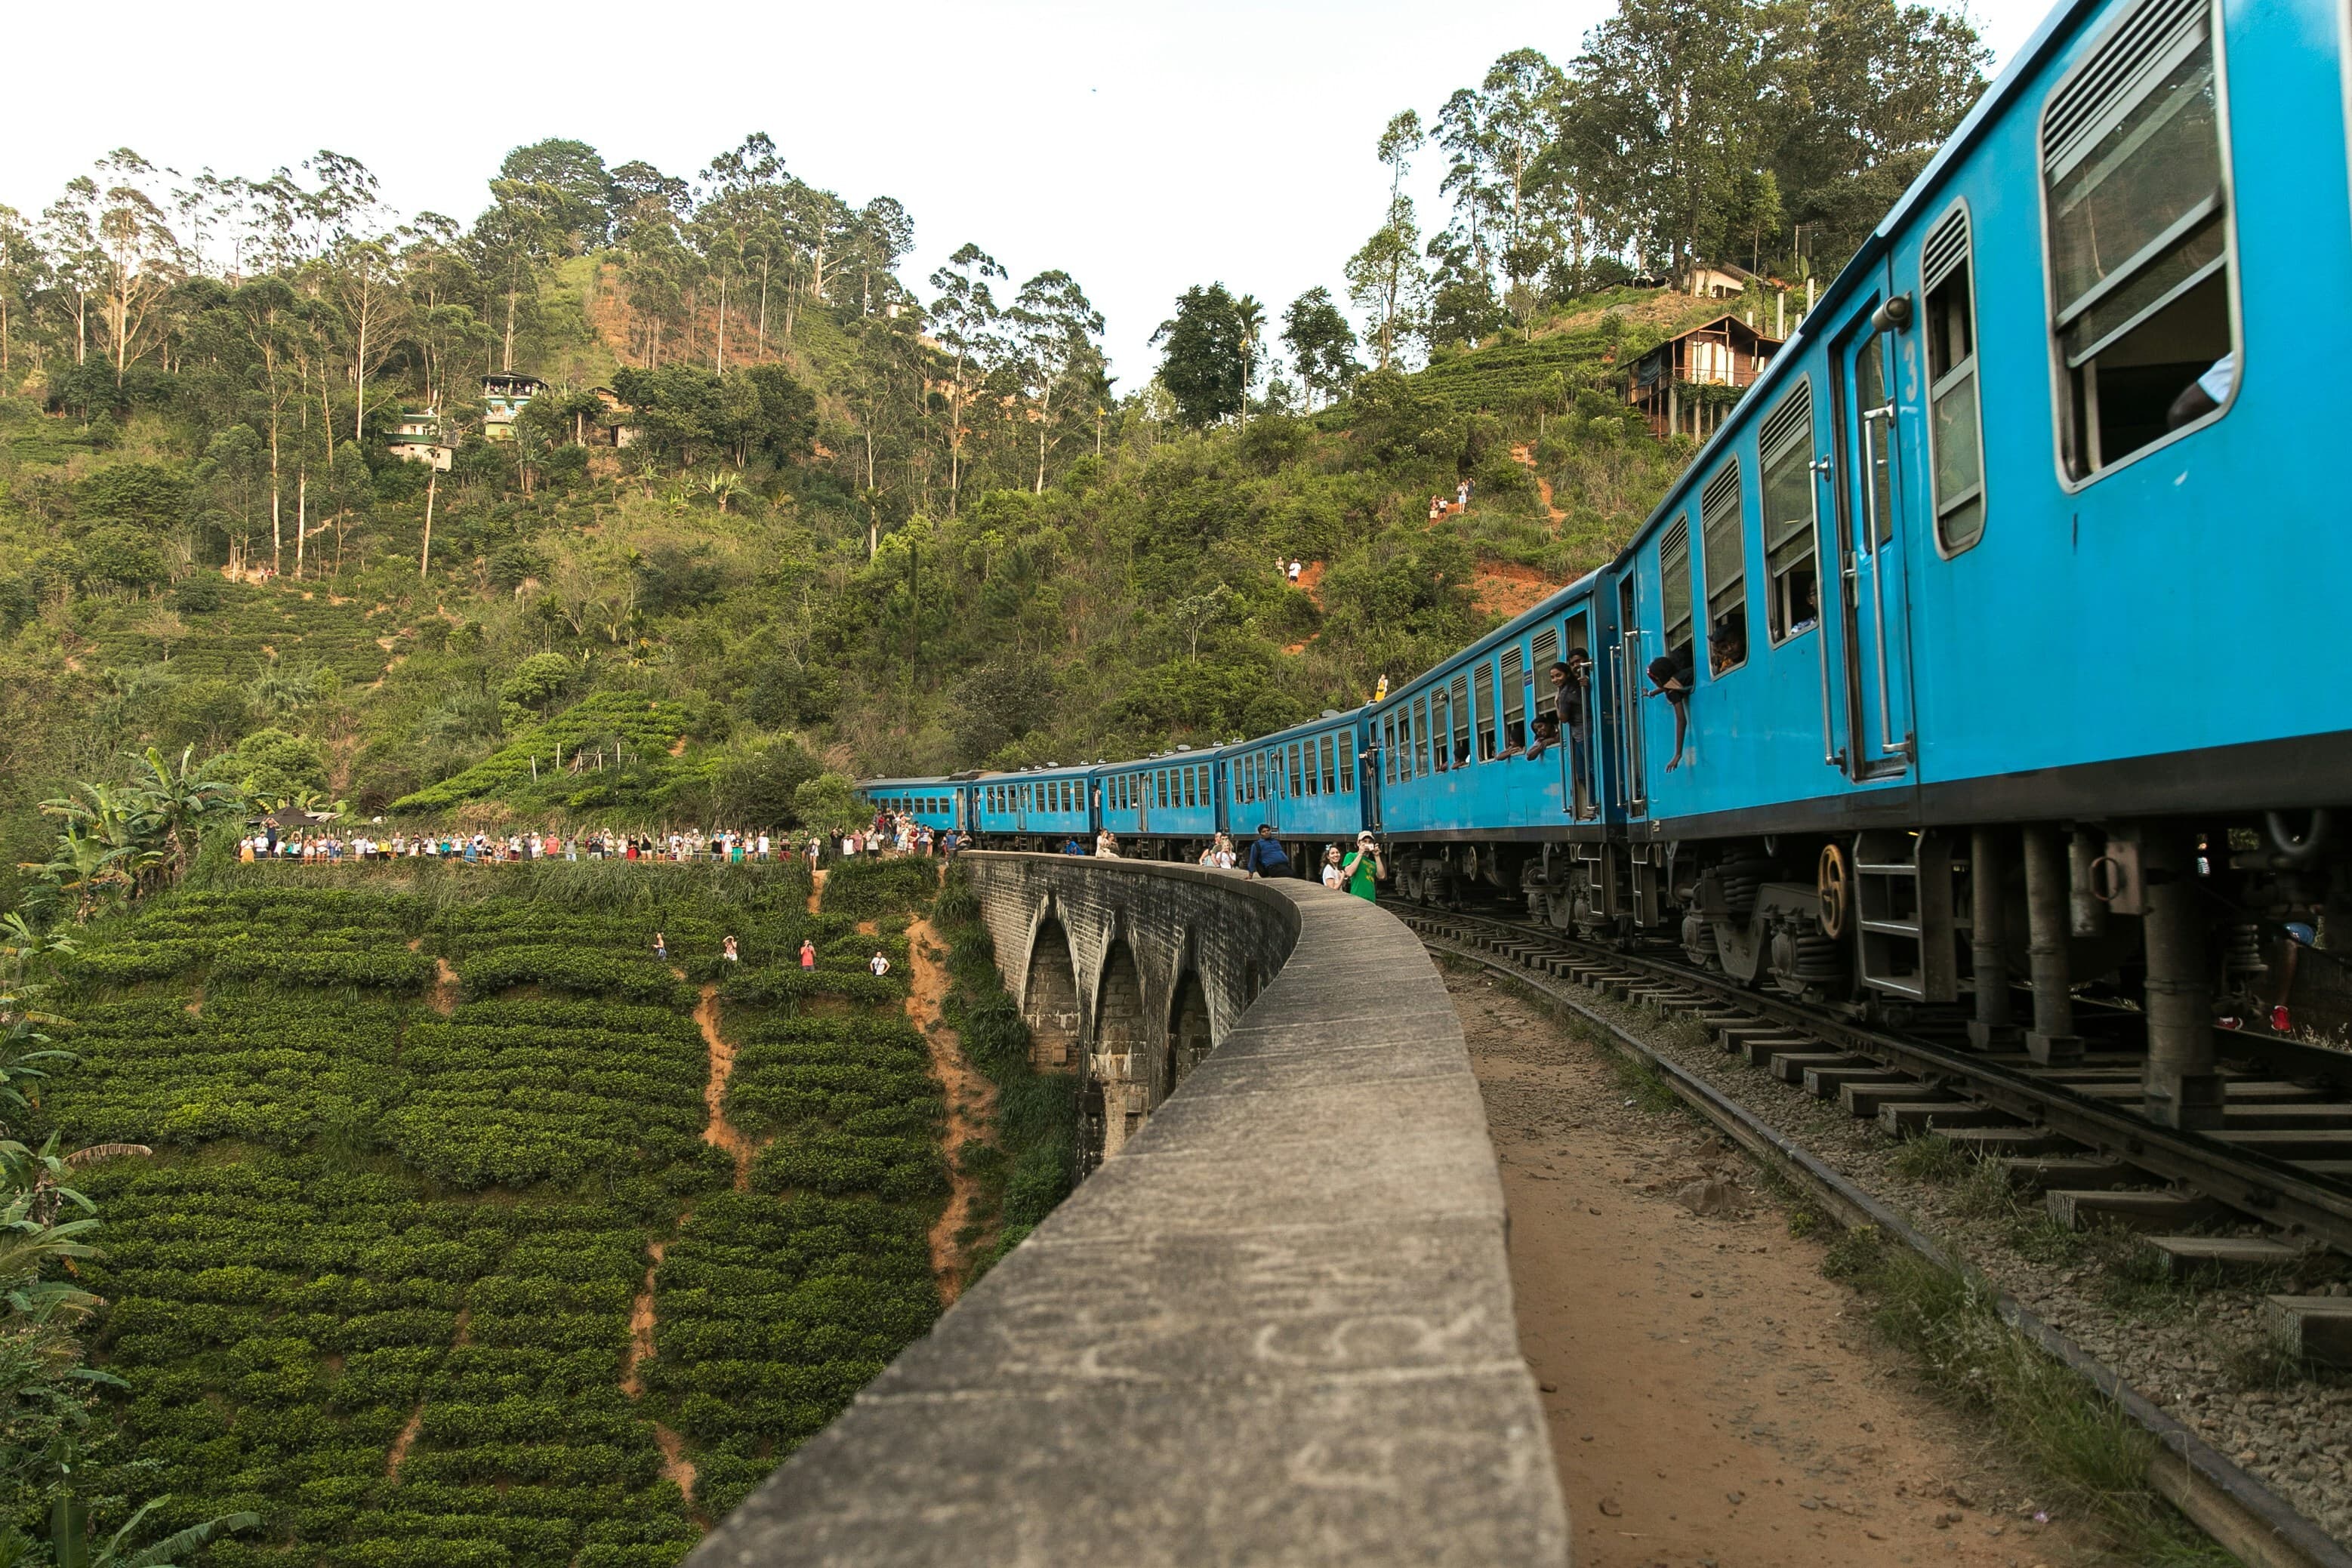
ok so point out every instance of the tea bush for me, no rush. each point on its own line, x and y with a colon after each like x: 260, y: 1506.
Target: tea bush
x: 262, y: 1068
x: 514, y: 1093
x: 864, y: 887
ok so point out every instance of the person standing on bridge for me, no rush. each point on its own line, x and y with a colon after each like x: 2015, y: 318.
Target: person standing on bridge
x: 1267, y: 856
x: 1360, y: 868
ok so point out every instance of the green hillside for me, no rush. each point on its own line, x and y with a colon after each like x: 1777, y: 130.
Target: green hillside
x: 428, y: 1143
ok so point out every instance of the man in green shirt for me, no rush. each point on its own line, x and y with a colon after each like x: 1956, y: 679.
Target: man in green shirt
x: 1360, y: 868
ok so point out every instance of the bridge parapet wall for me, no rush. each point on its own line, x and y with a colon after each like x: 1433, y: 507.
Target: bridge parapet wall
x: 1275, y: 1325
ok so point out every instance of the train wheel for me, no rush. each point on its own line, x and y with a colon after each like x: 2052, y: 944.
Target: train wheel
x: 1835, y: 883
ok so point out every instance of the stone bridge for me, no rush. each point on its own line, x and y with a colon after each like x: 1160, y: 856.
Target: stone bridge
x: 1274, y: 1326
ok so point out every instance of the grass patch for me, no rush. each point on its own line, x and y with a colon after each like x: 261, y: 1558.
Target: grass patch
x: 1932, y: 1159
x: 1642, y: 1085
x: 2093, y: 1453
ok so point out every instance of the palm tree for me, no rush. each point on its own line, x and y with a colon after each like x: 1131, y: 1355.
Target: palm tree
x: 1250, y: 316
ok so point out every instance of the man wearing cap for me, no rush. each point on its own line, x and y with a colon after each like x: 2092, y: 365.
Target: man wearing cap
x: 1360, y: 868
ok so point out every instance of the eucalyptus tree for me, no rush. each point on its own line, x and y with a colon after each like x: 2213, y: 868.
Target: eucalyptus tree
x: 1058, y: 337
x: 1385, y: 278
x: 967, y: 322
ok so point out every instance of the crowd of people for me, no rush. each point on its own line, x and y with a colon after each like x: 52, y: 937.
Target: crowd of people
x: 891, y: 833
x: 888, y: 831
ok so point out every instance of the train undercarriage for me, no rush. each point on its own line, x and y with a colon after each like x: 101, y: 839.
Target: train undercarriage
x: 2016, y: 933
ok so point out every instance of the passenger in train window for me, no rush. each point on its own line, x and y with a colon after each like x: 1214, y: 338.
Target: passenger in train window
x: 2205, y: 393
x: 1547, y: 735
x: 1671, y: 676
x: 1727, y: 642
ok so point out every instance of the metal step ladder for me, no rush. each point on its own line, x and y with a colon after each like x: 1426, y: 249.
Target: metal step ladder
x: 1903, y: 906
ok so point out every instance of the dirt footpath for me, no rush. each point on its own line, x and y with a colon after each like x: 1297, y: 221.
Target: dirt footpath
x: 1713, y: 1399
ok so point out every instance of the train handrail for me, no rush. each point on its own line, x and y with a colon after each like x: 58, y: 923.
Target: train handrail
x: 1821, y: 467
x: 1872, y: 458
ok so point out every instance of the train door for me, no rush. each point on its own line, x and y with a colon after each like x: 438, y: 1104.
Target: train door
x: 1579, y: 785
x: 1625, y: 689
x: 1874, y: 514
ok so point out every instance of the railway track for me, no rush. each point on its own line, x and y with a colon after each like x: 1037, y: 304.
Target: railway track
x: 2282, y: 1158
x: 2064, y: 1133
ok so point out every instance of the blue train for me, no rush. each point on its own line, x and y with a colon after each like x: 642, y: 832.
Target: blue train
x: 1980, y: 658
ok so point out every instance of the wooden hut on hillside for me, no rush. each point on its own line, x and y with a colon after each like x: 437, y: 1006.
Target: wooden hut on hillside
x: 1666, y: 383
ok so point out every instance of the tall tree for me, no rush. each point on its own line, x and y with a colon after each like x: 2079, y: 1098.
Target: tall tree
x: 1322, y: 345
x: 1385, y: 279
x: 966, y: 320
x: 1056, y: 335
x: 1206, y: 364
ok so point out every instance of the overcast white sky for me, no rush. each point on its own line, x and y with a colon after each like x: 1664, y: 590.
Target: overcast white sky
x: 1141, y: 149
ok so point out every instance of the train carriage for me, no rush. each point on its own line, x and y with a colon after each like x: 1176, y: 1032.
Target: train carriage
x: 935, y: 803
x: 1482, y: 778
x: 1041, y: 807
x: 1312, y: 782
x: 1162, y: 806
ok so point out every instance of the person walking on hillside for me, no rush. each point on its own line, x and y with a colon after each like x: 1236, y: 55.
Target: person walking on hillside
x: 1267, y: 856
x: 808, y: 954
x: 728, y: 951
x: 878, y: 963
x: 1360, y: 868
x: 1297, y: 567
x: 661, y: 949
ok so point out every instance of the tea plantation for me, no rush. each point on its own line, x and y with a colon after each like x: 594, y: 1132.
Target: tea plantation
x: 425, y: 1140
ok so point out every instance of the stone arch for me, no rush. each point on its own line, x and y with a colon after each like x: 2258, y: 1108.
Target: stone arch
x: 1188, y: 1032
x: 1114, y: 1101
x: 1049, y: 999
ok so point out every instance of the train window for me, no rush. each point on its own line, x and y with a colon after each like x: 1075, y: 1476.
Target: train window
x: 1790, y: 571
x: 1330, y: 768
x: 1955, y: 436
x: 1314, y: 778
x: 1485, y: 675
x: 1441, y: 728
x: 1422, y: 749
x: 1349, y: 763
x: 1724, y: 554
x: 2138, y: 237
x: 1675, y: 593
x: 1297, y: 784
x: 1461, y: 721
x: 1387, y: 748
x: 1514, y: 701
x: 1546, y: 654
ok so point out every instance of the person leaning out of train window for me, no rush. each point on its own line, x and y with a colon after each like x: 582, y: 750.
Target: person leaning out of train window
x: 1671, y: 676
x: 1544, y: 734
x: 1267, y: 856
x: 2205, y: 393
